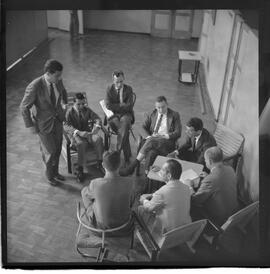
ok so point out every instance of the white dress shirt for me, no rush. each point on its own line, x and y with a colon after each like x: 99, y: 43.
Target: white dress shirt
x: 163, y: 130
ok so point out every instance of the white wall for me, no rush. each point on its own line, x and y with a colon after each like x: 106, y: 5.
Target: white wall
x: 215, y: 48
x: 119, y: 20
x: 60, y: 19
x: 243, y: 116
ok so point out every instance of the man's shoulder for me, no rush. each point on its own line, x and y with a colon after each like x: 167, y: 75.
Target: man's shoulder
x: 127, y: 87
x: 208, y: 137
x: 36, y: 82
x: 172, y: 112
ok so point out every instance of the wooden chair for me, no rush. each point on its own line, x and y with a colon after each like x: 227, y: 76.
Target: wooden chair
x: 69, y: 152
x: 230, y: 142
x: 109, y: 129
x: 102, y: 249
x: 186, y: 234
x: 237, y: 222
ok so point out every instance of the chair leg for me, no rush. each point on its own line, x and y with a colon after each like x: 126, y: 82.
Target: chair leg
x: 68, y: 159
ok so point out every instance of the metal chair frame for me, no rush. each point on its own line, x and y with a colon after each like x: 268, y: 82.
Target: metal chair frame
x: 153, y: 249
x: 102, y: 250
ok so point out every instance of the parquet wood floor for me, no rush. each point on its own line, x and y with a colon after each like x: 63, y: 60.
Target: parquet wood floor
x: 41, y: 219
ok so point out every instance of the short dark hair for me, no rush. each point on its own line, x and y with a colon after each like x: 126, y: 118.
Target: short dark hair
x: 196, y: 123
x: 111, y: 160
x: 214, y: 154
x: 78, y: 96
x: 118, y: 73
x: 52, y: 66
x: 175, y: 169
x: 161, y: 99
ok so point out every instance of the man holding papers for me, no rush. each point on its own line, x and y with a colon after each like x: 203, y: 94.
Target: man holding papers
x: 160, y: 130
x: 119, y: 100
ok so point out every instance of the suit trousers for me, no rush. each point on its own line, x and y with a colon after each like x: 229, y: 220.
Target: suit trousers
x: 50, y: 147
x: 121, y: 125
x: 82, y: 144
x: 155, y: 146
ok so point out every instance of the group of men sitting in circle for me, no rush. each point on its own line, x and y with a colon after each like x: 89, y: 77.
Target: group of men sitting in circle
x: 108, y: 200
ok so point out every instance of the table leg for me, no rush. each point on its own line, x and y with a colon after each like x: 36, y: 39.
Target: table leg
x: 179, y: 70
x: 197, y: 65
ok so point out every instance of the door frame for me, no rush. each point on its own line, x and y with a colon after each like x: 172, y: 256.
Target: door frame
x: 222, y: 108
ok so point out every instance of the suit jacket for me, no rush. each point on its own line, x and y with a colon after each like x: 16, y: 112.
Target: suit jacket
x: 171, y: 204
x: 110, y: 200
x: 173, y: 124
x: 113, y: 103
x: 205, y: 141
x: 43, y: 115
x: 217, y: 194
x: 73, y: 122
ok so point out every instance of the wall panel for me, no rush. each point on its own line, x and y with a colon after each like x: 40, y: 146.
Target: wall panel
x: 24, y: 30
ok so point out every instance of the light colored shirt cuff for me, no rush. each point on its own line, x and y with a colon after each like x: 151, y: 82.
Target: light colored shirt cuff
x: 145, y: 202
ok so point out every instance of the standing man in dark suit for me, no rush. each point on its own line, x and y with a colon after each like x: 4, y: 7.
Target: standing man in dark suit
x: 82, y: 125
x: 197, y: 140
x: 46, y: 94
x: 160, y: 130
x: 119, y: 99
x: 216, y: 198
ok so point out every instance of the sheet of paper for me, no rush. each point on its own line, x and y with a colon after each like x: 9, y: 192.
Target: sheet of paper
x: 189, y: 174
x: 107, y: 112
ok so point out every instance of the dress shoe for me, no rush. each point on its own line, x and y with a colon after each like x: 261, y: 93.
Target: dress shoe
x: 60, y: 177
x: 52, y: 182
x: 129, y: 170
x: 80, y: 176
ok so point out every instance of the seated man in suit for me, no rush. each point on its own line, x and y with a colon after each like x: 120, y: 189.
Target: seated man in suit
x: 216, y: 198
x: 119, y: 99
x: 169, y: 206
x: 108, y: 200
x: 82, y: 125
x: 197, y: 140
x: 161, y: 129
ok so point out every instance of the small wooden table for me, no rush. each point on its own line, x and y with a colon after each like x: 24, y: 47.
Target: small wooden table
x: 188, y: 169
x: 188, y: 56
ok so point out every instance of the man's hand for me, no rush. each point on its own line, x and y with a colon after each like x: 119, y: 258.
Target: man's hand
x: 83, y: 134
x: 145, y: 197
x: 173, y: 154
x: 95, y: 129
x: 33, y: 130
x: 203, y: 174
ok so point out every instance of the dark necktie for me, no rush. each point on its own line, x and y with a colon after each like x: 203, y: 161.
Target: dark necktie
x: 81, y: 118
x: 52, y: 95
x: 118, y: 95
x: 158, y: 124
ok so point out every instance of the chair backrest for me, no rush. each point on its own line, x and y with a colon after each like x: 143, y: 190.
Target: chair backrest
x: 134, y: 98
x: 70, y: 98
x: 242, y: 217
x: 188, y: 234
x: 82, y: 211
x: 228, y: 140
